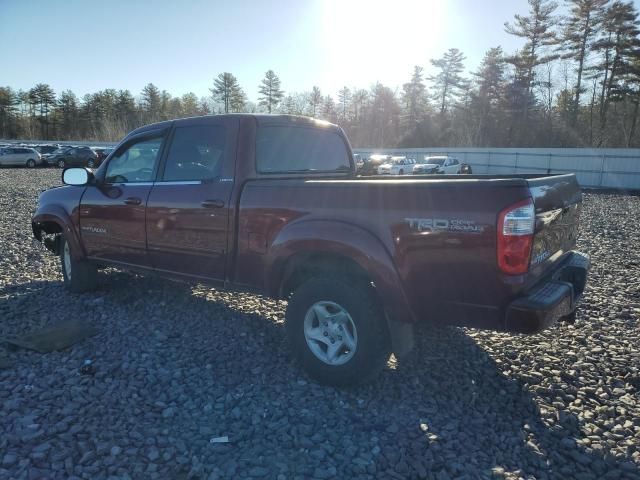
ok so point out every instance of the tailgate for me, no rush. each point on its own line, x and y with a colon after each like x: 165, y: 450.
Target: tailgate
x: 557, y: 202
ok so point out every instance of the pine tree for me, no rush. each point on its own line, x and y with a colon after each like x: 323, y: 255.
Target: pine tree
x: 538, y: 30
x: 43, y: 98
x: 8, y: 110
x: 227, y: 90
x: 315, y: 99
x: 414, y: 98
x: 190, y: 104
x: 580, y: 29
x: 67, y: 107
x: 359, y: 102
x: 448, y: 82
x: 489, y: 95
x: 125, y: 109
x: 344, y: 99
x: 165, y: 102
x: 618, y: 47
x: 150, y: 103
x: 329, y: 109
x: 270, y: 91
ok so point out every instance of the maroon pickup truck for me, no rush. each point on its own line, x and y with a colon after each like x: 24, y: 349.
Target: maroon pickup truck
x: 272, y: 204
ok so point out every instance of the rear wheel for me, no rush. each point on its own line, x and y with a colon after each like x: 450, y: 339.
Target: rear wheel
x: 61, y: 163
x: 78, y: 276
x: 337, y: 331
x: 31, y: 163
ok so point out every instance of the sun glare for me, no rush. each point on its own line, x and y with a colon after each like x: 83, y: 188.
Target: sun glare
x: 369, y: 41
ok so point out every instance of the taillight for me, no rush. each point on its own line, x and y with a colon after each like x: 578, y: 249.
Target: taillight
x: 515, y: 237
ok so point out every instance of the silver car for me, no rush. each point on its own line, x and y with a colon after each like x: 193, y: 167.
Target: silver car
x: 19, y: 156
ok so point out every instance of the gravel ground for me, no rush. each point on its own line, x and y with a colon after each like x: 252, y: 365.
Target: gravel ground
x: 177, y: 366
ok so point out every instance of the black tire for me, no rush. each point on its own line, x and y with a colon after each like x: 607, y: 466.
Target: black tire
x: 358, y: 300
x: 31, y: 163
x: 78, y: 276
x: 61, y: 163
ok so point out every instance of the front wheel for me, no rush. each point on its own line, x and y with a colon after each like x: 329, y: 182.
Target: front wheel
x: 31, y: 163
x: 78, y: 276
x: 337, y: 330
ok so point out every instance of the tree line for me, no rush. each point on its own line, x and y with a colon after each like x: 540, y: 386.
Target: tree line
x: 574, y: 83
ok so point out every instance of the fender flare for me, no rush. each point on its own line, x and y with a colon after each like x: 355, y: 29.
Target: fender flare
x: 336, y: 237
x: 58, y: 215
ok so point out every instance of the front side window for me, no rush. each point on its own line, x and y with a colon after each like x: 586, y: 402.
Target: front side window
x: 196, y: 153
x: 136, y: 163
x: 283, y: 149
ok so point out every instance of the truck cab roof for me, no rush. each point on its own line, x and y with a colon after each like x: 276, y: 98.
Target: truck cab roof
x: 260, y: 118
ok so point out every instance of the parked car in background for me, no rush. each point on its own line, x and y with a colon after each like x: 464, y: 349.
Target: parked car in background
x: 442, y: 164
x: 74, y: 157
x: 19, y: 156
x: 370, y: 165
x: 396, y: 166
x: 357, y: 159
x: 48, y: 156
x: 45, y: 149
x: 101, y: 153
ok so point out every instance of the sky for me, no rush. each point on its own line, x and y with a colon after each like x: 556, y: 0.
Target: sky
x: 180, y: 46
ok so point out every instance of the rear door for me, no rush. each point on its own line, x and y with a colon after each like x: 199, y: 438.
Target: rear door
x: 188, y: 207
x: 112, y: 214
x: 557, y: 201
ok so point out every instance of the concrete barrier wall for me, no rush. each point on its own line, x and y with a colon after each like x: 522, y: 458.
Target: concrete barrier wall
x: 617, y: 168
x: 605, y: 168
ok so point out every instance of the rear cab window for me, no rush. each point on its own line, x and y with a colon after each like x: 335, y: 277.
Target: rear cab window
x: 296, y: 149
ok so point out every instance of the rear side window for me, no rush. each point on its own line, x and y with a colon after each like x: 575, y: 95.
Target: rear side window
x: 196, y: 153
x: 281, y: 149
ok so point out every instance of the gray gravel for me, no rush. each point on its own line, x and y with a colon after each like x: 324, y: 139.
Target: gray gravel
x: 177, y: 366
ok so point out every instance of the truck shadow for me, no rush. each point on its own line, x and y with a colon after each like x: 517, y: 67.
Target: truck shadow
x: 494, y: 419
x: 449, y: 409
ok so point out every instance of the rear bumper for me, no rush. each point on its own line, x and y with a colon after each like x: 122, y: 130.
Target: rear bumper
x: 556, y: 296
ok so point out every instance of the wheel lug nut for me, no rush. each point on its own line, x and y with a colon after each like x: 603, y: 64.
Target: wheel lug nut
x: 326, y: 334
x: 333, y: 341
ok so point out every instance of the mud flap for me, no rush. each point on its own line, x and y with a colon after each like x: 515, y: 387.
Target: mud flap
x: 402, y: 337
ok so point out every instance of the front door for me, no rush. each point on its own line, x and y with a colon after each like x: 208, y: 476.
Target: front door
x: 188, y: 207
x: 112, y: 213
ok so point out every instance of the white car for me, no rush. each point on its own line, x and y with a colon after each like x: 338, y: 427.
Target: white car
x: 20, y: 156
x: 396, y: 166
x: 442, y: 164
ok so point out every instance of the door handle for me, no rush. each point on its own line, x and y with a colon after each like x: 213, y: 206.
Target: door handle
x: 133, y: 201
x: 212, y: 204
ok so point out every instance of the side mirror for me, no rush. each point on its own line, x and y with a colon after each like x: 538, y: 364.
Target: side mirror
x: 76, y: 176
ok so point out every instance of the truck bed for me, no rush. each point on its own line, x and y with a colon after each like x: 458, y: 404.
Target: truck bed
x: 439, y: 231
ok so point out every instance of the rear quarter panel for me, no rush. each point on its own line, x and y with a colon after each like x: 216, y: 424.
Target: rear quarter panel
x: 438, y: 234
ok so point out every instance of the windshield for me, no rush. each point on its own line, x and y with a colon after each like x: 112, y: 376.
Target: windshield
x: 433, y: 161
